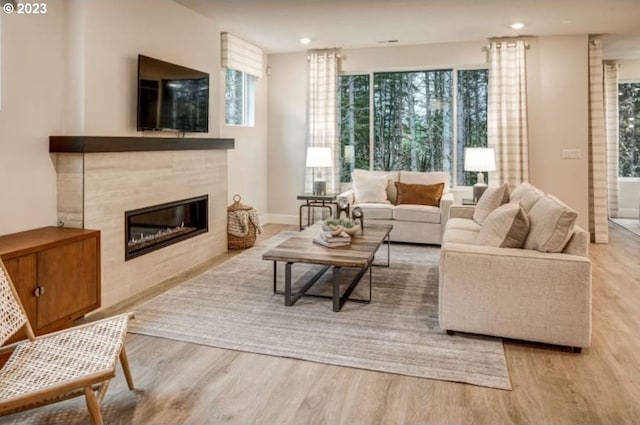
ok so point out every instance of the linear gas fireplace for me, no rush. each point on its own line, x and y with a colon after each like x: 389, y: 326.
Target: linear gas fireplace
x: 151, y: 228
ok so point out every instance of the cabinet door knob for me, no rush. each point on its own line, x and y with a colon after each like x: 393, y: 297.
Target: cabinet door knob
x: 38, y: 291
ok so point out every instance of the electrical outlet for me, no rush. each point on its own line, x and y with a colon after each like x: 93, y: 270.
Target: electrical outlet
x: 571, y: 153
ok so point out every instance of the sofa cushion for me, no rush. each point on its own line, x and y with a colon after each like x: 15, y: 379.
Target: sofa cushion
x: 376, y: 211
x: 551, y: 225
x: 370, y: 188
x: 392, y: 177
x: 491, y: 199
x: 428, y: 177
x: 505, y: 227
x: 462, y: 224
x: 468, y: 237
x: 419, y: 194
x: 527, y: 195
x: 520, y: 190
x: 417, y: 213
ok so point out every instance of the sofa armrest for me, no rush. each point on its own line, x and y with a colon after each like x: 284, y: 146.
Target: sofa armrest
x: 461, y: 211
x: 516, y: 293
x: 445, y: 204
x: 349, y: 195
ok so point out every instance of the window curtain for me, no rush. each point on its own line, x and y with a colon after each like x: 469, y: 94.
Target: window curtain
x: 323, y: 114
x: 598, y: 214
x: 611, y: 134
x: 507, y: 130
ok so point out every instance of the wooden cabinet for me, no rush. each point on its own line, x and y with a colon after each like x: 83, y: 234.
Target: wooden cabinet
x: 56, y: 272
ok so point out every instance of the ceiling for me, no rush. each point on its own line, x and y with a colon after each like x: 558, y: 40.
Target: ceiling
x: 277, y: 25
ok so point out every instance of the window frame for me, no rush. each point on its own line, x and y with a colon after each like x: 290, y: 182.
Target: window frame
x: 454, y: 105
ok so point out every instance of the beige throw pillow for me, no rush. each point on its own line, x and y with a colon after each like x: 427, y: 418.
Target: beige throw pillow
x: 551, y: 225
x: 369, y: 188
x: 491, y: 199
x: 505, y: 227
x: 392, y: 176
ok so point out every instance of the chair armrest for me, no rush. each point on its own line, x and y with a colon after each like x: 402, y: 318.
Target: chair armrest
x: 461, y: 211
x: 445, y: 204
x: 349, y: 195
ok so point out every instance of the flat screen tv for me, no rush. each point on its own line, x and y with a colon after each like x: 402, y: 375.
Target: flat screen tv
x: 172, y: 97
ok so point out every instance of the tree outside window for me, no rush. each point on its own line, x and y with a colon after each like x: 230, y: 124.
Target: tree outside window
x: 629, y: 129
x: 413, y: 120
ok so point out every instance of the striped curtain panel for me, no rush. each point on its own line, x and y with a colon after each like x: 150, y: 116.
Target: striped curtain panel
x: 611, y: 134
x: 323, y: 114
x: 507, y: 130
x: 598, y: 214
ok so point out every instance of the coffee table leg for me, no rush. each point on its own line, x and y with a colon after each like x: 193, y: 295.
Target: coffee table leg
x: 287, y: 285
x: 275, y: 276
x: 336, y: 289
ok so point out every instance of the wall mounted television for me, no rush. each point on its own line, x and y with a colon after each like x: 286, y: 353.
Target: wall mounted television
x: 171, y: 97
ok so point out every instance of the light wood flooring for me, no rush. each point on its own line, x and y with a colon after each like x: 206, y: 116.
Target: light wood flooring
x: 182, y: 383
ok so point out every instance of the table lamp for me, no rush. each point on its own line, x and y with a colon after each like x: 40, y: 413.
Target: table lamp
x: 480, y: 160
x: 318, y: 158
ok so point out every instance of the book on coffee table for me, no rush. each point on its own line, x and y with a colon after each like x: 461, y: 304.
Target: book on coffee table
x: 333, y: 241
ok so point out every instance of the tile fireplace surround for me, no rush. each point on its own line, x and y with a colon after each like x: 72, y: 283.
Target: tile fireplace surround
x: 96, y: 185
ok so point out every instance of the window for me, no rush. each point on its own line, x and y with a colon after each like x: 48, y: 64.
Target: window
x: 414, y: 120
x: 629, y: 129
x: 471, y: 119
x: 353, y: 95
x: 239, y: 98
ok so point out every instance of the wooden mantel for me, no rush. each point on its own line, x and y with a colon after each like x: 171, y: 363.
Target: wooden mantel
x: 96, y: 144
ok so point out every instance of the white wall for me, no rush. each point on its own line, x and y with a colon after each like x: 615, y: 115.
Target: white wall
x: 114, y: 33
x: 74, y: 70
x: 33, y: 96
x: 287, y: 134
x: 557, y: 90
x: 248, y: 161
x: 557, y: 73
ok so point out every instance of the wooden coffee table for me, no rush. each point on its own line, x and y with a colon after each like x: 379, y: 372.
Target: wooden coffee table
x: 300, y: 248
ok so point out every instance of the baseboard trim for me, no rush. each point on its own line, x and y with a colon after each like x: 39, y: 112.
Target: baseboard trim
x: 279, y: 219
x: 628, y: 213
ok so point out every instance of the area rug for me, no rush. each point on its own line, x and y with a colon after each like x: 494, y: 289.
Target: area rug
x: 631, y: 224
x: 233, y: 306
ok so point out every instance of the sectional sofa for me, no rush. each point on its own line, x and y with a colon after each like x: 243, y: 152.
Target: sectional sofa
x: 519, y: 270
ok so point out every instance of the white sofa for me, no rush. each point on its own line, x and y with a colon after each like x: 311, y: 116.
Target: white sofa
x: 516, y: 292
x: 411, y: 223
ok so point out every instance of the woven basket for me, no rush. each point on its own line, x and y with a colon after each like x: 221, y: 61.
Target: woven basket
x: 247, y: 241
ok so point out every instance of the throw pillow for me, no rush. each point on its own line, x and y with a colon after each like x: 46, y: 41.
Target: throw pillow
x: 392, y: 176
x: 520, y: 190
x: 491, y: 199
x: 369, y: 188
x: 551, y: 225
x: 420, y: 194
x: 505, y: 227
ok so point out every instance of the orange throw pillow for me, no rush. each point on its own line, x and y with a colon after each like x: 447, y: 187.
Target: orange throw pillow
x: 420, y: 194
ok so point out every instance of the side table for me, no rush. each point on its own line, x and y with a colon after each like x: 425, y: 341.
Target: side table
x: 313, y: 201
x: 468, y: 201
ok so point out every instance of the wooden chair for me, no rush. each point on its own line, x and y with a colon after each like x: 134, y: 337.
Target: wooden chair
x: 61, y: 365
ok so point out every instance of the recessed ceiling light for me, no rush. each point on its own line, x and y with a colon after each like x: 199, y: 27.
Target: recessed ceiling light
x: 517, y: 25
x: 305, y: 40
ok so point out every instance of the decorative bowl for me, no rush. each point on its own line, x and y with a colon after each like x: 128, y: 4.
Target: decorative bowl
x: 333, y: 226
x: 337, y: 226
x: 351, y: 228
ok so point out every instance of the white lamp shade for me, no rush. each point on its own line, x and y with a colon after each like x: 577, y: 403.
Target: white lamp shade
x: 479, y: 159
x: 319, y: 157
